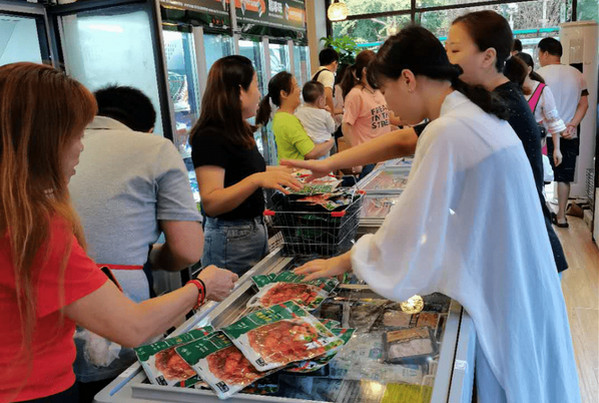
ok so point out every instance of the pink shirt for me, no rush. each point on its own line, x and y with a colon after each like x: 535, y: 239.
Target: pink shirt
x: 367, y: 112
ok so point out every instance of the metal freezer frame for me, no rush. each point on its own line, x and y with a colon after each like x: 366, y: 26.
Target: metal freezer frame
x: 453, y: 380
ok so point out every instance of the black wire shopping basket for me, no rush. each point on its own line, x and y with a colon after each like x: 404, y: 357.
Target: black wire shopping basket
x: 313, y: 232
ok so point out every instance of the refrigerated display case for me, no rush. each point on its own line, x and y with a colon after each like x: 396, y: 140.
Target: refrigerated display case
x: 114, y: 46
x: 23, y: 33
x: 385, y: 180
x: 360, y: 372
x: 301, y: 61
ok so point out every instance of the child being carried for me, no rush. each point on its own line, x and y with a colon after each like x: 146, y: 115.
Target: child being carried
x: 314, y: 116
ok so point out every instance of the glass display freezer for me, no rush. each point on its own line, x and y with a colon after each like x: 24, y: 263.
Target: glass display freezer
x: 360, y: 372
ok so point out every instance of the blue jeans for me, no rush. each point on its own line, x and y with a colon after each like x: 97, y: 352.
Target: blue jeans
x: 236, y: 245
x: 366, y: 169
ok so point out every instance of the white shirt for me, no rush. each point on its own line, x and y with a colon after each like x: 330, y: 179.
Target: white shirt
x: 546, y: 112
x: 567, y: 85
x: 327, y: 77
x: 469, y: 225
x: 318, y: 123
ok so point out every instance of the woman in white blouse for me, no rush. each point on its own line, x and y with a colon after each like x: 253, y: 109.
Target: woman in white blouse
x: 468, y: 225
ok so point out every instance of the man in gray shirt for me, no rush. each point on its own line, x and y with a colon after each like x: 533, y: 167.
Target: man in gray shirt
x: 130, y: 187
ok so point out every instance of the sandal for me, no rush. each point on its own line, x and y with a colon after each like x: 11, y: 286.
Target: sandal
x: 558, y: 224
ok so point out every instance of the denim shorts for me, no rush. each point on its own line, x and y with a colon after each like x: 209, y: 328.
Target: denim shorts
x: 236, y: 245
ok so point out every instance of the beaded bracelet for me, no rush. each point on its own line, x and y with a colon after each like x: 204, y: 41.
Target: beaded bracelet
x: 201, y: 291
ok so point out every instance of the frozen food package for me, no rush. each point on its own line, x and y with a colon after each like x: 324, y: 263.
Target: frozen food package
x: 276, y: 336
x: 220, y: 364
x: 428, y: 319
x: 364, y: 313
x: 325, y: 184
x: 362, y: 359
x: 316, y: 363
x: 163, y: 366
x: 407, y: 345
x: 288, y: 286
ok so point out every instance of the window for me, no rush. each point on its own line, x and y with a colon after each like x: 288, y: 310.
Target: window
x: 371, y: 29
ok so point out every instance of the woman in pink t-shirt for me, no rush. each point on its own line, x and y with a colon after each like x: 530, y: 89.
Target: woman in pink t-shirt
x: 365, y: 115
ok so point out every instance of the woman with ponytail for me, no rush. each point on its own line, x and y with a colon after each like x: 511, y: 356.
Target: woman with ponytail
x: 231, y: 171
x: 519, y: 69
x: 480, y: 43
x: 365, y: 112
x: 47, y: 282
x: 468, y: 225
x: 292, y: 140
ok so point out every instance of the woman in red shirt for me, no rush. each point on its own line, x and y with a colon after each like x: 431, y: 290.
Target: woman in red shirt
x: 47, y: 282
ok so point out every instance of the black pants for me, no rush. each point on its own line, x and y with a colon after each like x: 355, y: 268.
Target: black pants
x: 71, y: 395
x: 88, y: 390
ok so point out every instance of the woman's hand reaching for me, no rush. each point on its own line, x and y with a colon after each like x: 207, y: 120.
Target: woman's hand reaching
x: 325, y: 267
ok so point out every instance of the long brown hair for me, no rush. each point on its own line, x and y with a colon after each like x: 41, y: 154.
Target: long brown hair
x: 221, y: 105
x: 353, y: 75
x: 41, y: 113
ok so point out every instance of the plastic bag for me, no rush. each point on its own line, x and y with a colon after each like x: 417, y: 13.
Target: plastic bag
x: 98, y: 351
x: 276, y: 336
x: 220, y: 364
x: 163, y: 366
x: 318, y: 362
x: 287, y: 286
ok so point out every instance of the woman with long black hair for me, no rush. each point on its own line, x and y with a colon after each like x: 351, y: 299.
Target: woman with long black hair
x: 480, y: 43
x: 231, y: 171
x: 468, y: 225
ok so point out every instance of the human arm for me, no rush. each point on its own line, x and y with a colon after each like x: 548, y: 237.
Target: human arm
x: 110, y: 314
x: 325, y: 267
x: 320, y: 150
x: 218, y: 199
x: 395, y: 144
x: 581, y: 110
x: 328, y: 94
x: 557, y: 154
x: 348, y: 132
x: 394, y: 119
x: 183, y: 247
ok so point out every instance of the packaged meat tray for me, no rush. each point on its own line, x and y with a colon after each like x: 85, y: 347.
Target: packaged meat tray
x: 318, y: 362
x: 220, y: 364
x: 287, y: 286
x: 163, y: 366
x: 274, y: 337
x: 407, y: 345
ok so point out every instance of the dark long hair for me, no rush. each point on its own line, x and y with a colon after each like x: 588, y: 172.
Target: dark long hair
x: 516, y: 71
x: 353, y: 74
x: 221, y: 105
x: 489, y: 30
x: 282, y: 81
x: 526, y: 58
x: 416, y: 49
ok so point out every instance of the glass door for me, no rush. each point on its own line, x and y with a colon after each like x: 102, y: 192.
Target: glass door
x: 301, y: 61
x: 22, y: 39
x: 279, y: 58
x: 114, y: 45
x: 216, y: 47
x: 184, y: 91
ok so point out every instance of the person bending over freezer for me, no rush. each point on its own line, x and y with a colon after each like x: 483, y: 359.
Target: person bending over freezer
x: 468, y: 225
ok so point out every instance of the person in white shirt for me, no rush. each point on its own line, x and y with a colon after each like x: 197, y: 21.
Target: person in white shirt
x: 519, y: 69
x: 450, y: 232
x: 571, y: 98
x: 317, y: 121
x: 329, y: 61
